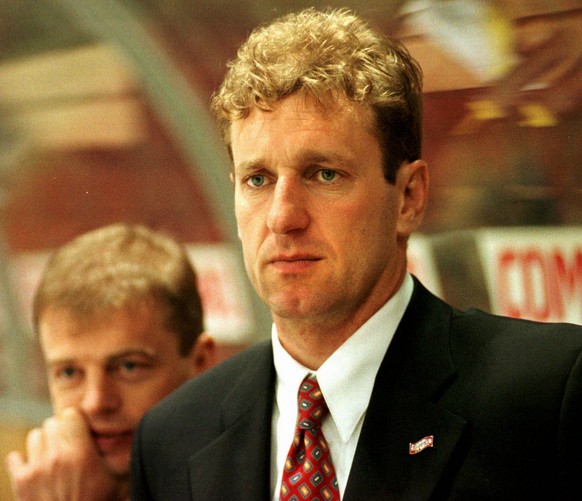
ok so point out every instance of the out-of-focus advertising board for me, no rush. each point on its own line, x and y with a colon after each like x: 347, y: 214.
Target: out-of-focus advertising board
x: 533, y: 273
x: 228, y: 312
x: 421, y: 263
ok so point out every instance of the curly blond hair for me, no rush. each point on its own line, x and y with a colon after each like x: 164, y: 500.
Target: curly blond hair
x: 325, y: 54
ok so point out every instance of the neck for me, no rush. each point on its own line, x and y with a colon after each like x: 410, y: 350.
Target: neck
x: 309, y: 344
x: 312, y: 341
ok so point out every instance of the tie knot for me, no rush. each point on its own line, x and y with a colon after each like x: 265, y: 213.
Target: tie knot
x: 312, y: 406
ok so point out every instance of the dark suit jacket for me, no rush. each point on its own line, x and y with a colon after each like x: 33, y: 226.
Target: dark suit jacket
x: 502, y: 398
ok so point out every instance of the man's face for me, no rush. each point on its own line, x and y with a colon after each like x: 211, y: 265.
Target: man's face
x: 317, y: 219
x: 113, y: 369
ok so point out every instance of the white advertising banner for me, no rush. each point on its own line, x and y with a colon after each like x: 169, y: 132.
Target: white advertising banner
x: 222, y: 282
x: 534, y: 273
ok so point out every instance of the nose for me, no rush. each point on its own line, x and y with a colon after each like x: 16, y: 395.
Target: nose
x: 101, y: 395
x: 288, y: 211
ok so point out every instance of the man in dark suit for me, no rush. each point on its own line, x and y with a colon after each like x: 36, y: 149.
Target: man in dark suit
x: 322, y: 118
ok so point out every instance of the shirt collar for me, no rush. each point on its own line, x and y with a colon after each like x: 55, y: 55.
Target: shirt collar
x: 347, y: 377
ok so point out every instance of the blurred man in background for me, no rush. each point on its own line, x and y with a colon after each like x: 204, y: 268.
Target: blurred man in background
x: 120, y: 324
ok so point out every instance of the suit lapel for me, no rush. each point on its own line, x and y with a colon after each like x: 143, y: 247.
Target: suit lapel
x: 383, y: 468
x: 242, y: 451
x: 416, y: 370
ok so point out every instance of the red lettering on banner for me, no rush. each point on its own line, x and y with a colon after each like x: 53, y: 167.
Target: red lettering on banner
x: 539, y: 285
x: 535, y: 279
x: 506, y: 261
x: 565, y: 281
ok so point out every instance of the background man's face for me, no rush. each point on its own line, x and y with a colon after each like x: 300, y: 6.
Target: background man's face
x: 113, y: 369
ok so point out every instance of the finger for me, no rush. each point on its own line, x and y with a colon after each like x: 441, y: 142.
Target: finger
x: 51, y: 434
x: 74, y: 426
x: 16, y: 467
x: 30, y: 482
x: 66, y: 431
x: 35, y: 444
x: 15, y: 461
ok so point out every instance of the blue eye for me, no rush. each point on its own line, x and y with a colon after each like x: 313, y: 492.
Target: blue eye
x: 328, y: 175
x: 256, y: 181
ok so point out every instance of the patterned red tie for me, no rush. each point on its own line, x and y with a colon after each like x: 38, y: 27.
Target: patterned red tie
x: 309, y: 473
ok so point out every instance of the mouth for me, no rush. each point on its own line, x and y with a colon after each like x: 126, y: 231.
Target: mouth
x: 112, y: 441
x: 294, y: 263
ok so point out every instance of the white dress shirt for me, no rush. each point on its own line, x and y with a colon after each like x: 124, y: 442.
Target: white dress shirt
x: 346, y: 380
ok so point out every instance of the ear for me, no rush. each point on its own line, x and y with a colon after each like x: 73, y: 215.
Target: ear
x: 203, y: 355
x: 412, y: 184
